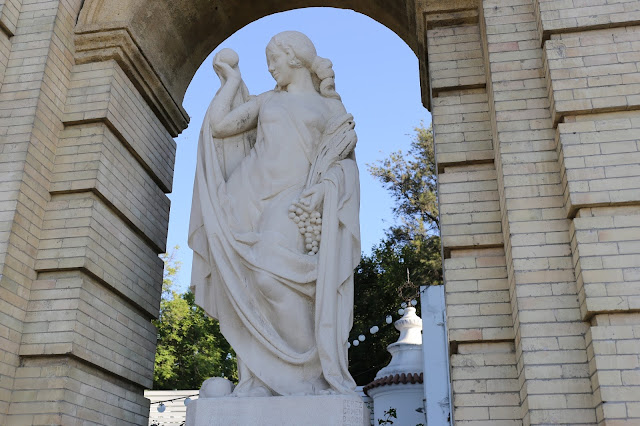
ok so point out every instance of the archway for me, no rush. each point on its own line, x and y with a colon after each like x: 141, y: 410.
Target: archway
x: 92, y: 94
x: 386, y: 107
x: 382, y: 91
x: 143, y: 56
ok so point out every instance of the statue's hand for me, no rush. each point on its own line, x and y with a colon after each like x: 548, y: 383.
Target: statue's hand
x: 311, y: 199
x: 225, y: 71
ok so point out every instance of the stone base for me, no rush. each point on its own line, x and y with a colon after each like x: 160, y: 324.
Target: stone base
x: 329, y: 410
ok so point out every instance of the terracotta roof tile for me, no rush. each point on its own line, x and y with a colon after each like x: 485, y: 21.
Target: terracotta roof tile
x: 395, y: 379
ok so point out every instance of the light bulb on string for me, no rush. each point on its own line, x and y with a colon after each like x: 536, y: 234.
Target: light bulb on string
x: 356, y: 342
x: 401, y: 311
x: 389, y: 319
x: 361, y: 337
x: 161, y: 407
x: 414, y: 302
x: 403, y: 305
x: 348, y: 345
x: 374, y: 329
x: 187, y: 400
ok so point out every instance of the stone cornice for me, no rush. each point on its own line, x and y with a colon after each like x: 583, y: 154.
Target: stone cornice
x: 94, y: 45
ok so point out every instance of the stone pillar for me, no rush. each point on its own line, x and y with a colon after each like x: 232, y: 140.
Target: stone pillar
x: 536, y: 129
x: 592, y: 69
x: 550, y: 347
x: 35, y: 70
x: 86, y: 158
x: 479, y: 313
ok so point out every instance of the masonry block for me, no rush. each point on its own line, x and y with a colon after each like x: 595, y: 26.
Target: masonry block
x: 81, y: 232
x: 606, y: 256
x: 593, y: 72
x: 485, y: 385
x: 91, y: 158
x: 72, y: 313
x: 469, y: 201
x: 461, y: 123
x: 477, y: 296
x: 571, y: 15
x: 600, y: 159
x: 101, y: 91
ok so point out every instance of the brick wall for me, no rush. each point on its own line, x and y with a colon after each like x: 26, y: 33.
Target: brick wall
x: 85, y: 166
x: 536, y: 113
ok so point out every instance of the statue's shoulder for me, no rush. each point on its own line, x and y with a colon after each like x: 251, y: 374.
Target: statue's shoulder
x: 335, y: 106
x: 262, y: 97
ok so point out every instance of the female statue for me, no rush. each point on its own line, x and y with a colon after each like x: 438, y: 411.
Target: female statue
x: 274, y: 223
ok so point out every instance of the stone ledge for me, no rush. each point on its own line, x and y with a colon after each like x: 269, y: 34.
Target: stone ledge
x: 81, y: 232
x: 606, y: 260
x: 566, y: 17
x: 329, y: 410
x: 102, y: 92
x: 117, y: 43
x: 91, y: 158
x: 71, y: 313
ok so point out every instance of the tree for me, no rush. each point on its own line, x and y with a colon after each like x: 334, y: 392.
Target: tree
x: 412, y: 181
x: 381, y: 283
x: 190, y: 346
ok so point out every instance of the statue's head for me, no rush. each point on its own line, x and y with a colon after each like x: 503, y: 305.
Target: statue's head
x: 301, y: 53
x: 297, y: 46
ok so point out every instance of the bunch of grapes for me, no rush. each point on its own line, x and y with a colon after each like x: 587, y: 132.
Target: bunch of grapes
x: 310, y: 226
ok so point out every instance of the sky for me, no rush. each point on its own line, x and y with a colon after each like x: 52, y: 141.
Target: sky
x: 376, y: 76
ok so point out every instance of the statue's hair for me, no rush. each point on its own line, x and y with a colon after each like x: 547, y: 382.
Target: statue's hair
x: 321, y: 69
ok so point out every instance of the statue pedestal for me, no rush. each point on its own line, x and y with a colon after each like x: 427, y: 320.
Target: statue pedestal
x: 329, y: 410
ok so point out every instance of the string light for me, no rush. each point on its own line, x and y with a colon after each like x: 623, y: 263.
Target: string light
x: 161, y: 404
x: 388, y: 319
x: 409, y: 302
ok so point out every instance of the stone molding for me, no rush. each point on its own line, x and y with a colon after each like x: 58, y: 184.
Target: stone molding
x: 95, y: 43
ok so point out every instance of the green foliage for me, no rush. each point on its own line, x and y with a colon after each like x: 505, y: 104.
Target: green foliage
x: 412, y: 181
x: 388, y: 415
x: 381, y: 283
x: 190, y: 346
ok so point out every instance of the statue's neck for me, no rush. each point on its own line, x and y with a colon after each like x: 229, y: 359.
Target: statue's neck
x: 301, y: 82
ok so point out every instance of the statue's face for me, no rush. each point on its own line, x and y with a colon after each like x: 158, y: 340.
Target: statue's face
x: 278, y: 62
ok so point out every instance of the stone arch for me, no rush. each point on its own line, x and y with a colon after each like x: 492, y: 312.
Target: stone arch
x: 90, y: 101
x: 161, y: 43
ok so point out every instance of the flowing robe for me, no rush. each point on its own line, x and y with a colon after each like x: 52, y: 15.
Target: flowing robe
x: 286, y: 314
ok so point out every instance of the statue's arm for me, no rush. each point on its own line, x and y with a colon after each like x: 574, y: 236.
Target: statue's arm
x: 226, y: 121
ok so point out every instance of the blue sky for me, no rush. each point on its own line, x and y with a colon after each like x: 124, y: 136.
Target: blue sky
x: 376, y: 76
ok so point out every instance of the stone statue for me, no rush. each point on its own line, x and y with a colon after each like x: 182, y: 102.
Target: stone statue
x: 274, y: 223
